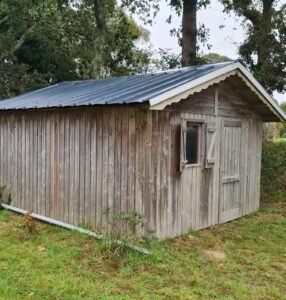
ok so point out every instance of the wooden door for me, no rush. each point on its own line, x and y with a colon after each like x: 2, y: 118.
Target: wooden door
x: 230, y: 169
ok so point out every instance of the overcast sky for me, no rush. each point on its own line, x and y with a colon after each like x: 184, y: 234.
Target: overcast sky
x: 224, y: 41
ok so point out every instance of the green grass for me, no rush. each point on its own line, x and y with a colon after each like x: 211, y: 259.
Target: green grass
x: 54, y: 263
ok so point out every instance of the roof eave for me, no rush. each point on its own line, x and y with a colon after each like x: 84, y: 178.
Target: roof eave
x: 161, y: 101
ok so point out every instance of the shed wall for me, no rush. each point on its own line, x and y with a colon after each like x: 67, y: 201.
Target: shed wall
x: 71, y: 164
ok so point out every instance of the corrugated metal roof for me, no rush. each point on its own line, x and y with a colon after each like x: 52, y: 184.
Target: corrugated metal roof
x: 118, y: 90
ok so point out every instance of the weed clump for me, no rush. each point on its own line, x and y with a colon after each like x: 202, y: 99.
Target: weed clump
x: 122, y: 229
x: 30, y: 225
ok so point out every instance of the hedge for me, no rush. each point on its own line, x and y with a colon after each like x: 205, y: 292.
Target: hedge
x: 273, y: 171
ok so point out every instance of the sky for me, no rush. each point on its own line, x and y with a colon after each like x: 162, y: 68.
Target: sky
x: 224, y: 41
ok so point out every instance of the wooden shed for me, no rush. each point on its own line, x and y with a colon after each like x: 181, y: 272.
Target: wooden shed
x: 183, y: 147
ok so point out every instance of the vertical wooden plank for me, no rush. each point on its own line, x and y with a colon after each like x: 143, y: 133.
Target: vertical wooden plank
x: 147, y: 205
x: 124, y: 161
x: 32, y: 166
x: 66, y: 167
x: 44, y: 164
x: 27, y: 165
x: 249, y: 169
x: 164, y: 172
x: 57, y: 205
x: 258, y: 166
x: 138, y: 172
x: 14, y: 178
x: 23, y: 158
x: 51, y: 186
x: 131, y: 161
x: 216, y: 183
x: 157, y: 157
x: 111, y: 155
x: 18, y: 144
x: 105, y: 161
x: 174, y: 153
x: 117, y: 162
x: 71, y: 174
x: 142, y: 162
x: 124, y: 164
x: 93, y: 165
x: 99, y: 168
x: 35, y: 163
x: 39, y: 163
x: 61, y: 167
x: 8, y: 152
x: 88, y: 206
x: 169, y: 229
x: 82, y: 161
x: 76, y: 196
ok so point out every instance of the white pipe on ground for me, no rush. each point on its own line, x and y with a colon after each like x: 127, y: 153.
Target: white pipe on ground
x: 72, y: 227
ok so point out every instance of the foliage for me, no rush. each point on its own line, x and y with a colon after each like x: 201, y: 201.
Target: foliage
x: 15, y: 79
x: 4, y: 198
x: 273, y: 174
x: 59, y: 264
x: 283, y: 125
x: 122, y: 226
x: 145, y: 9
x: 2, y: 190
x: 264, y: 49
x: 271, y: 131
x: 65, y: 40
x: 190, y: 33
x: 166, y: 60
x: 283, y: 106
x: 212, y: 58
x: 29, y: 224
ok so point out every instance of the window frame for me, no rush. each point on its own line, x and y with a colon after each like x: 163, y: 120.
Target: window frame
x: 201, y: 124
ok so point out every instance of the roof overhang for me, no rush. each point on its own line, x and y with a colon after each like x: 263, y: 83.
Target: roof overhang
x: 182, y: 92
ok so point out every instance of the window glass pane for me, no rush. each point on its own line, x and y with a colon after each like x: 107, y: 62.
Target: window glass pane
x: 192, y: 140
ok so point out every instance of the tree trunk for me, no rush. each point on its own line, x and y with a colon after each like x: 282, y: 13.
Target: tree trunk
x: 99, y: 43
x: 189, y: 33
x: 264, y: 28
x: 264, y: 47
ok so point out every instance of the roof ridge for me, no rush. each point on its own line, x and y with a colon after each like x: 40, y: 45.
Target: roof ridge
x: 195, y: 67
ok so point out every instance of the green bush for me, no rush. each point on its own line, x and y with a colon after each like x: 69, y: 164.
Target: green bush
x: 283, y: 130
x: 283, y: 125
x: 273, y: 173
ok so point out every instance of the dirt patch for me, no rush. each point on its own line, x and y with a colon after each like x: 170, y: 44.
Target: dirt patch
x: 213, y: 254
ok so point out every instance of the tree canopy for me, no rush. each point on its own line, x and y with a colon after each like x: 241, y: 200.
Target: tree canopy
x: 48, y: 41
x: 189, y: 34
x: 264, y: 48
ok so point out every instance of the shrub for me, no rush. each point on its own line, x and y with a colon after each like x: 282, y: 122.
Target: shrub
x: 273, y: 173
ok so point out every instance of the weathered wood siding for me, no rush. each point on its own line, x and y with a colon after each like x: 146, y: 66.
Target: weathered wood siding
x: 198, y: 190
x: 70, y: 164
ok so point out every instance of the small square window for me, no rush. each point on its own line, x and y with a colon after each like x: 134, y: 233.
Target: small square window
x: 192, y: 143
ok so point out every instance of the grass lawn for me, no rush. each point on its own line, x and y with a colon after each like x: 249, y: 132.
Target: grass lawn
x: 54, y: 263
